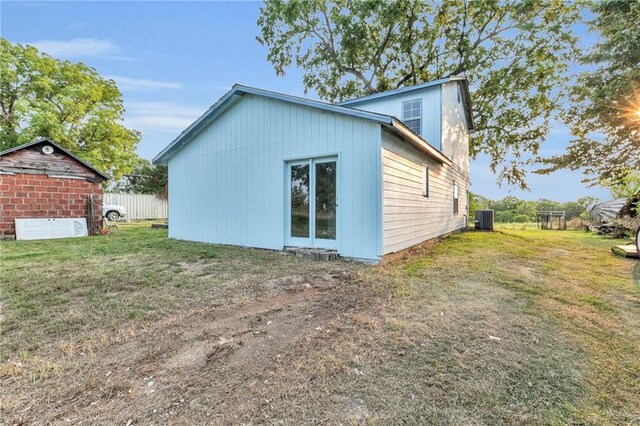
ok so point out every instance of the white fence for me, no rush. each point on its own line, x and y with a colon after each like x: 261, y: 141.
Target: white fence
x: 139, y: 206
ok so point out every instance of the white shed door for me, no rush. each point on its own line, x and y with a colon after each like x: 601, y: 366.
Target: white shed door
x: 42, y: 229
x: 312, y: 203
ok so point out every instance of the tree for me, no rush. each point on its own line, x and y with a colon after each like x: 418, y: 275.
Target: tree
x: 512, y: 209
x: 477, y: 202
x: 626, y: 186
x: 605, y: 116
x: 577, y: 208
x: 70, y: 103
x: 508, y: 203
x: 527, y: 209
x: 145, y: 179
x: 515, y: 55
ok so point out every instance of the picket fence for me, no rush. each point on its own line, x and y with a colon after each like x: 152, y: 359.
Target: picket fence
x: 139, y: 206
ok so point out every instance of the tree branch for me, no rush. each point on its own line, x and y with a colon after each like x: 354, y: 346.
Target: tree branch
x: 330, y: 46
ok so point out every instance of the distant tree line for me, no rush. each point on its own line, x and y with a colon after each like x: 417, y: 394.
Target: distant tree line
x: 512, y: 209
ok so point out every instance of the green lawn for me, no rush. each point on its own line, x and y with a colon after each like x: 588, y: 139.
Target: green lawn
x: 68, y: 289
x: 518, y: 326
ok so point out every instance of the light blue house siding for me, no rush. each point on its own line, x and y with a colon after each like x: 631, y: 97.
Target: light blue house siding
x: 392, y: 105
x: 227, y: 185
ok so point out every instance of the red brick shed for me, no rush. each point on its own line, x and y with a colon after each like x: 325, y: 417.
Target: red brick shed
x: 43, y: 180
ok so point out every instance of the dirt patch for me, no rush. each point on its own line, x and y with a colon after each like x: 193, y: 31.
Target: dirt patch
x: 194, y: 268
x: 201, y: 364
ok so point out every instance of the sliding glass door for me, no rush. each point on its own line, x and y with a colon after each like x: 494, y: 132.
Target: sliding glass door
x: 312, y: 203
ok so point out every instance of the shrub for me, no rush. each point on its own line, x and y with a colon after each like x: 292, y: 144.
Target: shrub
x: 504, y: 217
x: 521, y: 218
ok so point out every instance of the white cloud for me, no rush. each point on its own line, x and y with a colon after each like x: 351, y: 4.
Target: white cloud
x: 160, y: 116
x: 78, y: 47
x: 127, y: 83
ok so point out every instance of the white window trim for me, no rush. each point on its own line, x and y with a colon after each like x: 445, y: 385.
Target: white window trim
x: 456, y: 198
x: 425, y: 181
x: 405, y: 119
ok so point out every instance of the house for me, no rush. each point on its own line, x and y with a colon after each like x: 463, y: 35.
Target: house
x: 42, y: 180
x: 366, y: 177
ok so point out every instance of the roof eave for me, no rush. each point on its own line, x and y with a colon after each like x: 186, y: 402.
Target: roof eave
x: 422, y: 145
x: 457, y: 78
x: 41, y: 140
x: 187, y: 134
x: 216, y: 109
x: 399, y: 91
x: 468, y: 106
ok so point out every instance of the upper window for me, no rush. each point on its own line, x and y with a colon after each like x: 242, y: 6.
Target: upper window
x: 459, y: 91
x: 412, y: 115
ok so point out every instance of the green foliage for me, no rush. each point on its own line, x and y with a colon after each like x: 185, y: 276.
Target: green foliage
x: 606, y: 100
x: 521, y: 218
x: 626, y: 186
x: 504, y: 216
x: 70, y: 103
x: 477, y: 202
x: 515, y: 55
x: 511, y: 209
x: 145, y: 179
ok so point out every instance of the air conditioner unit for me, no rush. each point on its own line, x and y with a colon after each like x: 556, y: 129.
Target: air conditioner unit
x: 484, y: 220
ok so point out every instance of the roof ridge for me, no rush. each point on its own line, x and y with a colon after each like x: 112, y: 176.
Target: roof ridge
x: 403, y: 89
x: 49, y: 140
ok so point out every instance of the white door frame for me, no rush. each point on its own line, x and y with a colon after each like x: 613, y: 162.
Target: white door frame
x: 311, y: 241
x: 288, y: 239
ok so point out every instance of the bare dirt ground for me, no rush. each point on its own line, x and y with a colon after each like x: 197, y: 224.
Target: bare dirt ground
x: 199, y: 365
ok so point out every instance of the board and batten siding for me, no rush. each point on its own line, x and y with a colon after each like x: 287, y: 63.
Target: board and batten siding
x: 228, y: 184
x: 431, y: 110
x: 409, y: 218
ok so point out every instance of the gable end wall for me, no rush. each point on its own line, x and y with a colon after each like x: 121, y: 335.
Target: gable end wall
x: 227, y: 184
x: 455, y: 132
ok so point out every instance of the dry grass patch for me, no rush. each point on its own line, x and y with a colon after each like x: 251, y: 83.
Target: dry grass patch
x: 512, y: 327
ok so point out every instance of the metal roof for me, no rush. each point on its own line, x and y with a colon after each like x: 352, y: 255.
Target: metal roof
x: 47, y: 140
x: 466, y: 94
x: 236, y: 93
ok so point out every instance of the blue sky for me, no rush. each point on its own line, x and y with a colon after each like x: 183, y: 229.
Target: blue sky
x: 172, y: 60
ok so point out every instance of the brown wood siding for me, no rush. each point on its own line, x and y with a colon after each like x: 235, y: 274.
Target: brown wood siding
x: 31, y: 160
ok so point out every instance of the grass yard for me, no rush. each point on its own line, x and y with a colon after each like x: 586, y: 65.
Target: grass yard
x: 518, y: 326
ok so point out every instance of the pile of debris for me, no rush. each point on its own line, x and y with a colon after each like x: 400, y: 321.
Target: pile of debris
x: 617, y: 218
x: 620, y: 218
